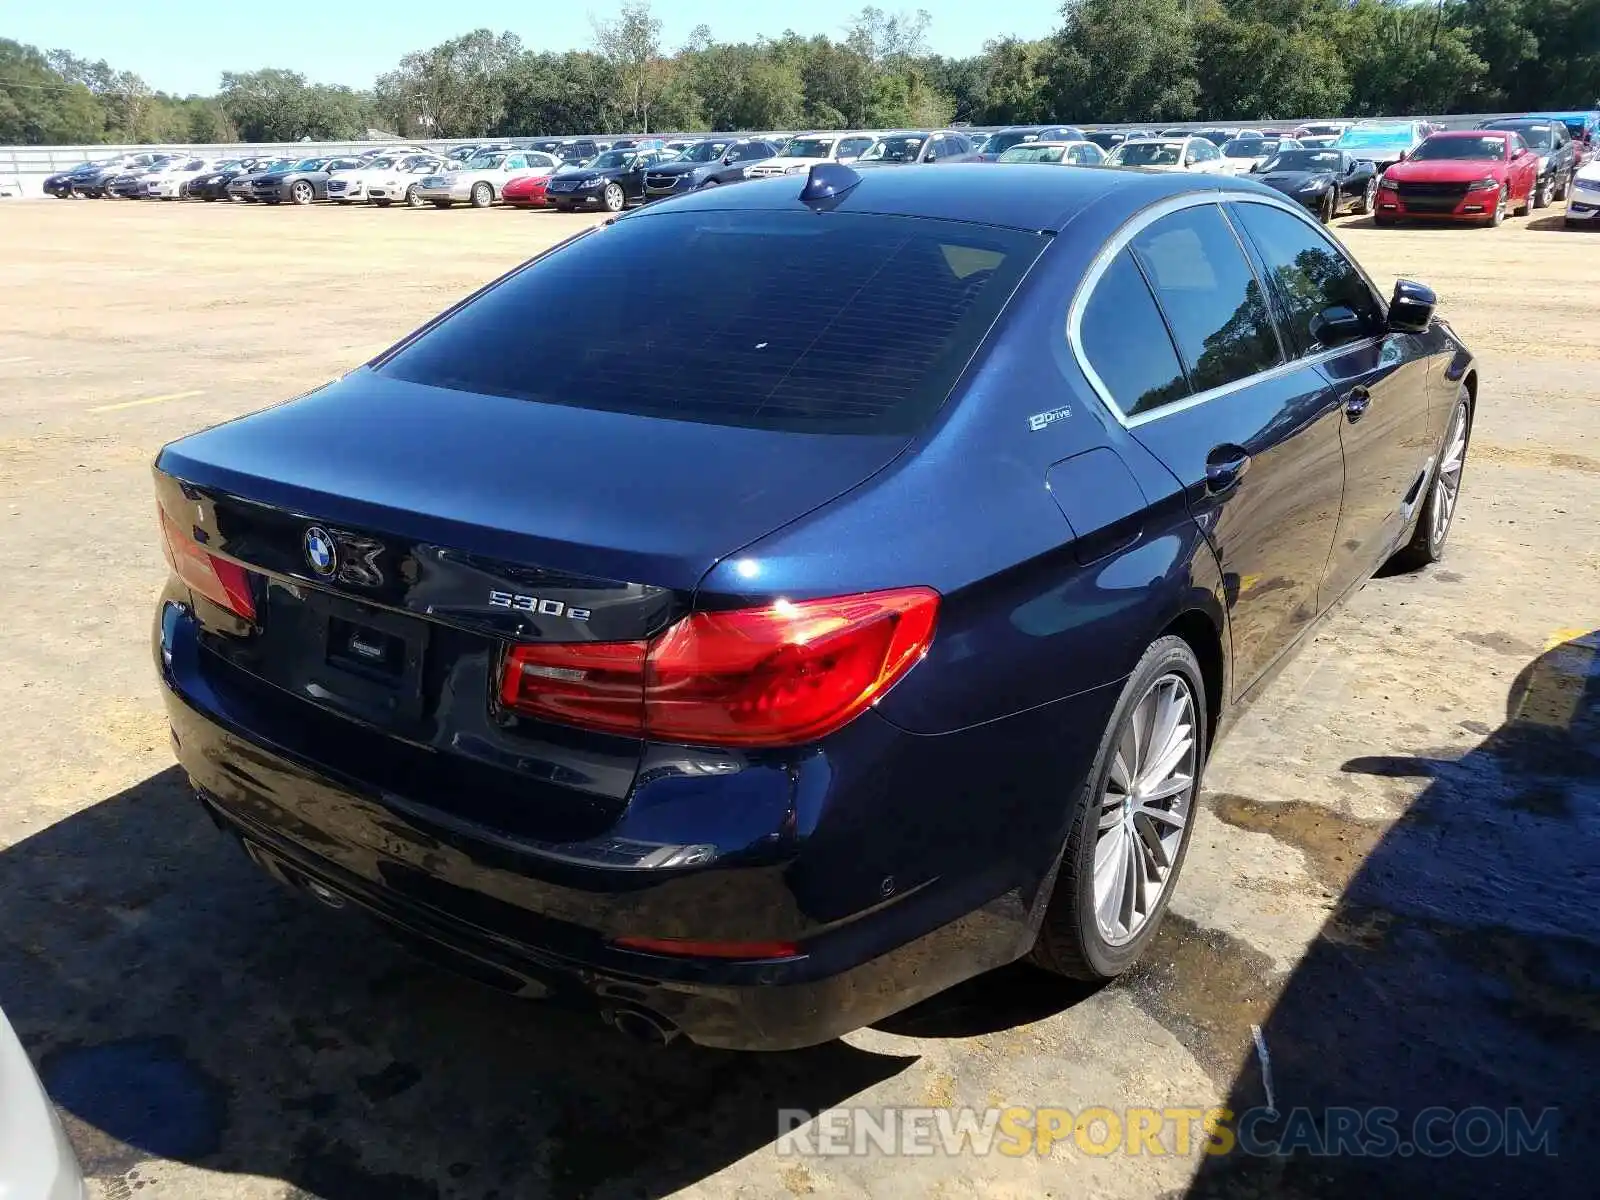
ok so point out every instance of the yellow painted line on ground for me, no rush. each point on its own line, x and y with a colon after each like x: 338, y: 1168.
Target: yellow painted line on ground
x: 105, y: 408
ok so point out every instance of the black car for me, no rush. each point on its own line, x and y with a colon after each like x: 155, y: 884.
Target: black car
x: 1015, y: 135
x: 763, y: 611
x: 215, y: 185
x: 707, y: 164
x: 912, y: 147
x: 1109, y: 139
x: 1328, y: 182
x: 1551, y: 140
x: 611, y: 182
x: 69, y: 183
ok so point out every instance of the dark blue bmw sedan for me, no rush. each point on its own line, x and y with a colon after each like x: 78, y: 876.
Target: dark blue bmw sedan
x: 757, y: 644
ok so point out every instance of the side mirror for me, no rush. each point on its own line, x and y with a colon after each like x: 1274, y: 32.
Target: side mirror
x: 1411, y: 307
x: 1404, y: 154
x: 1335, y: 325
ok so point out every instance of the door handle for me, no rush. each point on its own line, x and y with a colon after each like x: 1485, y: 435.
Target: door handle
x: 1225, y: 466
x: 1356, y: 401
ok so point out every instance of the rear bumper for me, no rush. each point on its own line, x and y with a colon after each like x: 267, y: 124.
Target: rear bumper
x: 886, y: 908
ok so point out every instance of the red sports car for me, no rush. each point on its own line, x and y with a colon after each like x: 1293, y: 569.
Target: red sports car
x: 528, y: 191
x: 1461, y: 175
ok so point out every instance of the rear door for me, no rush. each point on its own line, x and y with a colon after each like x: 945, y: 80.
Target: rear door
x: 1378, y: 381
x: 1204, y: 383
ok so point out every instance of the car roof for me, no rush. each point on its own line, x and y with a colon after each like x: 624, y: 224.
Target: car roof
x: 1025, y: 196
x: 1468, y: 133
x: 1520, y: 123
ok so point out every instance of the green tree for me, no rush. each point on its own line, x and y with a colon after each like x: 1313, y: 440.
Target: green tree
x: 965, y: 81
x: 631, y: 43
x: 1124, y: 60
x: 1261, y: 65
x: 1403, y: 59
x: 39, y: 106
x: 1017, y: 91
x: 456, y: 89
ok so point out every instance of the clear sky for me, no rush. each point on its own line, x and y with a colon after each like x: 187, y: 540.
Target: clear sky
x: 182, y: 46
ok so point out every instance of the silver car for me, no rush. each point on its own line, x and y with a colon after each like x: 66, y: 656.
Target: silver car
x: 482, y: 179
x: 36, y: 1160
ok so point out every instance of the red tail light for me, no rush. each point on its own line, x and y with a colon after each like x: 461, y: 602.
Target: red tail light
x: 217, y: 579
x: 790, y: 672
x: 690, y: 948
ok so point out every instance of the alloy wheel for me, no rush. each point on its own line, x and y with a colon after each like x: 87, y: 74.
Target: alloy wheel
x: 1371, y: 199
x: 1447, y: 484
x: 1144, y: 808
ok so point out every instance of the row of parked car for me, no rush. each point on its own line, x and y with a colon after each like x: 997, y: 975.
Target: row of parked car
x: 1389, y: 169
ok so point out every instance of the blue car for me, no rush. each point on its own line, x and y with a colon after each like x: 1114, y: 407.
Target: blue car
x: 752, y: 646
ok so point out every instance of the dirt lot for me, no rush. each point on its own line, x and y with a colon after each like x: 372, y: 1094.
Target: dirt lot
x: 1394, y: 877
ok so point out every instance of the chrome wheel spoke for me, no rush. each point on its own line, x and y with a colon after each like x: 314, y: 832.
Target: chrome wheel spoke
x: 1155, y: 851
x: 1144, y: 808
x: 1167, y: 816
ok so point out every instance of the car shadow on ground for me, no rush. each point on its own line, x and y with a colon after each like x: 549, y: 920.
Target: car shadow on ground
x: 1459, y: 970
x: 183, y: 1007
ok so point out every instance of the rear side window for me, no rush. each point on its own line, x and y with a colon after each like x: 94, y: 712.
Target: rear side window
x: 817, y: 323
x: 1126, y: 341
x: 1217, y: 310
x: 1309, y: 274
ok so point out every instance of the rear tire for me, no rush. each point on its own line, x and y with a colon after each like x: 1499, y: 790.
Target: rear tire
x: 1095, y: 930
x: 482, y: 195
x: 413, y: 197
x: 1437, y: 517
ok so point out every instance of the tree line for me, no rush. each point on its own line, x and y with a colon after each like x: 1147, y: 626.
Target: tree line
x: 1111, y: 60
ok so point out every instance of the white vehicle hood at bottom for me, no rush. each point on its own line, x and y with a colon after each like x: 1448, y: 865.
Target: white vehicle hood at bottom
x: 36, y: 1161
x: 1589, y: 173
x: 782, y: 165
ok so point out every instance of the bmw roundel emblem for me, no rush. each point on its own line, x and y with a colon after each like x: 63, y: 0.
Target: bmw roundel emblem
x: 321, y: 553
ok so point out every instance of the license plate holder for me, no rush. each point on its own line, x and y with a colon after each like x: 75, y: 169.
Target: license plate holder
x: 365, y: 661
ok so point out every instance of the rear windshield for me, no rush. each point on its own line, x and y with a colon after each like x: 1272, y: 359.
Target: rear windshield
x: 815, y: 323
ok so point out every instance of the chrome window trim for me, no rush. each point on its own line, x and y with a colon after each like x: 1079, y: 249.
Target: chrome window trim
x: 1119, y: 242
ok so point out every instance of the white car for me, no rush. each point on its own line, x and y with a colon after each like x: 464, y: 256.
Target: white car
x: 1583, y: 202
x: 167, y: 180
x: 1245, y: 154
x: 800, y: 154
x: 1321, y: 129
x: 1169, y: 154
x: 401, y: 182
x: 481, y: 180
x: 36, y: 1160
x: 350, y: 185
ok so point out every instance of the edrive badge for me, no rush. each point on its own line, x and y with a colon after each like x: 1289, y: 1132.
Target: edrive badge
x: 321, y: 554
